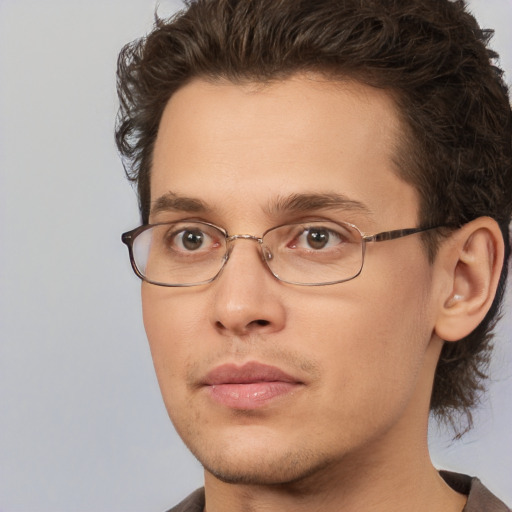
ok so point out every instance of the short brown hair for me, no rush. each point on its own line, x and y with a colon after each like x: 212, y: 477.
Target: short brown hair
x: 430, y: 54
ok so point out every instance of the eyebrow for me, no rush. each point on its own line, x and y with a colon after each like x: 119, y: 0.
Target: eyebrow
x: 297, y: 203
x: 292, y: 204
x: 177, y: 203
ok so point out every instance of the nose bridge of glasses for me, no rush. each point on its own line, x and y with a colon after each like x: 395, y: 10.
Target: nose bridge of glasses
x: 264, y: 252
x: 232, y: 238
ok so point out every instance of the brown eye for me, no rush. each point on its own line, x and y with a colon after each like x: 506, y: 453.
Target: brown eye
x: 190, y: 240
x: 317, y: 238
x: 185, y: 239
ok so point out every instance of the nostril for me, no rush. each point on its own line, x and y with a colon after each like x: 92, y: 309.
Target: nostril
x: 254, y: 324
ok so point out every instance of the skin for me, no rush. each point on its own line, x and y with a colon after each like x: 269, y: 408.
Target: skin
x: 364, y: 351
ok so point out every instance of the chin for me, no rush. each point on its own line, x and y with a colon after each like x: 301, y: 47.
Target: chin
x: 265, y: 468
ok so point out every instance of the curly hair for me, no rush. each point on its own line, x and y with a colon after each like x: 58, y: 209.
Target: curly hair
x: 431, y: 56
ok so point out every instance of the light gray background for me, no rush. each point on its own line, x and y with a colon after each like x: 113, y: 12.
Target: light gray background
x: 82, y: 425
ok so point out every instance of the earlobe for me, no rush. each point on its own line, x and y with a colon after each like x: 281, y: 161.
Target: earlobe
x: 472, y: 265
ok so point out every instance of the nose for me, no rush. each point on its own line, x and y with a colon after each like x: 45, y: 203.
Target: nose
x: 247, y: 297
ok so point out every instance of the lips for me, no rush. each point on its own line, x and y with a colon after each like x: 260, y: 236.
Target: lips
x: 250, y: 386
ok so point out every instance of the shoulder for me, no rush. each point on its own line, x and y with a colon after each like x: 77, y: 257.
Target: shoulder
x: 192, y: 503
x: 480, y: 499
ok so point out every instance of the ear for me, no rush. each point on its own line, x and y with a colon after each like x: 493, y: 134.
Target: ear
x: 471, y: 262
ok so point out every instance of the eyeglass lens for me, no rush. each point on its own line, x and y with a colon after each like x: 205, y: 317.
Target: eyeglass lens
x: 188, y: 253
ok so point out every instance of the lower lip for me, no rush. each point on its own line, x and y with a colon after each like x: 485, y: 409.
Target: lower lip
x: 251, y: 395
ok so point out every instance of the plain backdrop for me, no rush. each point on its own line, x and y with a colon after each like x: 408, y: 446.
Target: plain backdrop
x: 82, y: 424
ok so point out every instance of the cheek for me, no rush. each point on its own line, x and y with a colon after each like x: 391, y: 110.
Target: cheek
x: 371, y: 345
x: 172, y: 329
x: 372, y: 342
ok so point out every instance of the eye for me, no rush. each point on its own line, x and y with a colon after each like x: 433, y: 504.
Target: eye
x: 188, y: 239
x: 317, y: 238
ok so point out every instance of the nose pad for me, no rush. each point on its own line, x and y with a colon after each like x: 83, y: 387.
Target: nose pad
x: 265, y: 252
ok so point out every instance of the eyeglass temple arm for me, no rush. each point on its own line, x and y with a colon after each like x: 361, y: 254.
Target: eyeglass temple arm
x: 396, y: 233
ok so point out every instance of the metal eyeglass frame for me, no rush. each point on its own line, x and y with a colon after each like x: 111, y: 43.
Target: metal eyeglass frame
x: 129, y: 237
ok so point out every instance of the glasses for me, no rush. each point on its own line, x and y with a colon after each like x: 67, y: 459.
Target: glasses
x: 191, y: 253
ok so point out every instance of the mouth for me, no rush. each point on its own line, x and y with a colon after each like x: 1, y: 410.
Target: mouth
x: 250, y: 386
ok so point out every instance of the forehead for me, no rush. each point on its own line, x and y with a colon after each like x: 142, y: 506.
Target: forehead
x: 220, y: 142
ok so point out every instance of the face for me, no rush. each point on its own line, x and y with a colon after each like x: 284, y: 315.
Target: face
x: 268, y: 382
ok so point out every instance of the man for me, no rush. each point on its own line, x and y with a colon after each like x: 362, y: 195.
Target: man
x: 326, y: 191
